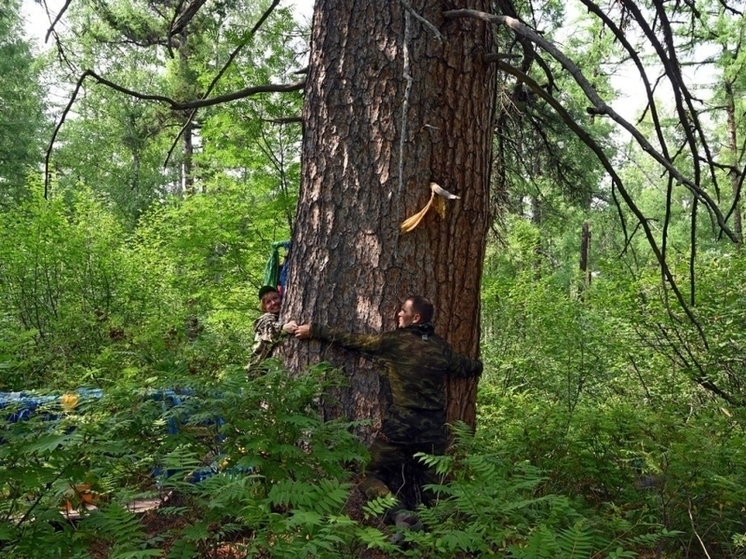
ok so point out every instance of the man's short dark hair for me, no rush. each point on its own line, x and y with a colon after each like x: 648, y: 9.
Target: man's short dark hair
x: 423, y: 307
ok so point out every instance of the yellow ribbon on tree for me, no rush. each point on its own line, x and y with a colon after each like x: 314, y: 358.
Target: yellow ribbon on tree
x: 437, y: 202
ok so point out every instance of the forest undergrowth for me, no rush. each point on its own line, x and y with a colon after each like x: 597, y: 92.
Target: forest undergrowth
x: 599, y: 434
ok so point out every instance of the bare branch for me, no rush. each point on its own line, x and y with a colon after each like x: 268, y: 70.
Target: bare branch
x: 171, y: 30
x: 737, y: 194
x: 667, y: 56
x: 422, y: 20
x: 185, y: 17
x: 285, y: 120
x: 591, y: 143
x: 56, y: 131
x: 198, y: 103
x: 56, y: 19
x: 175, y: 105
x: 590, y: 92
x: 497, y: 56
x: 730, y: 9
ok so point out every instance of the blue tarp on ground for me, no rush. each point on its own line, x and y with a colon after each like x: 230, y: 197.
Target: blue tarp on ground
x: 23, y: 405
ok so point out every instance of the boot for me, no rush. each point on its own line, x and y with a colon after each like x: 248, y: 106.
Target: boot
x: 404, y: 520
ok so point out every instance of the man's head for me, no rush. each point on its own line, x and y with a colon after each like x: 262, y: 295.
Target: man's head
x: 270, y: 298
x: 415, y: 310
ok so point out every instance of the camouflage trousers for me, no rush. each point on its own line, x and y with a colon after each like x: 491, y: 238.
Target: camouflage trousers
x: 394, y: 470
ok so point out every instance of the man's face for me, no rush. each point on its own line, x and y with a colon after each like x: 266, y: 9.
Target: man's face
x: 407, y: 316
x: 271, y: 302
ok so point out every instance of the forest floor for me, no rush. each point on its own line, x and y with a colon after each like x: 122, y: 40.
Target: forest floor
x: 156, y: 524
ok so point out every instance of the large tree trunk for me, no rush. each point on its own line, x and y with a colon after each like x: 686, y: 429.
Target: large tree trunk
x: 391, y: 106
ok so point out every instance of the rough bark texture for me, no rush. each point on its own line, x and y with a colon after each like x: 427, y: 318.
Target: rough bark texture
x: 390, y: 107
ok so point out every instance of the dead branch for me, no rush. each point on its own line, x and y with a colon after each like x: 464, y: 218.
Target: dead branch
x: 598, y: 103
x: 422, y: 20
x: 617, y: 181
x: 57, y: 18
x: 175, y: 105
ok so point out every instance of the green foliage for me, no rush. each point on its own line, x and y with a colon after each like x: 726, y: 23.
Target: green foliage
x: 60, y: 271
x: 612, y: 391
x: 609, y: 423
x: 489, y: 505
x: 280, y: 474
x: 81, y: 301
x: 590, y: 424
x: 279, y: 469
x: 145, y: 152
x: 22, y: 119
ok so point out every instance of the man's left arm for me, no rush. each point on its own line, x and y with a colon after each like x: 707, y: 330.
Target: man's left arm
x: 463, y: 366
x: 370, y: 344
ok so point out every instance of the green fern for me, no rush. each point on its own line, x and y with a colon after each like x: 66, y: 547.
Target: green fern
x: 183, y: 548
x: 442, y: 464
x: 540, y: 544
x: 576, y: 541
x: 114, y: 523
x: 379, y: 505
x: 140, y: 554
x: 621, y: 553
x: 290, y: 493
x: 331, y: 495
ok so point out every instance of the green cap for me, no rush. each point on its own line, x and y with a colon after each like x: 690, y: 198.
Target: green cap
x: 263, y: 290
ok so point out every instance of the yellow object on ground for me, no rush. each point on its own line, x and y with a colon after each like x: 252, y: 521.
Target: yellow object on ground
x: 69, y: 401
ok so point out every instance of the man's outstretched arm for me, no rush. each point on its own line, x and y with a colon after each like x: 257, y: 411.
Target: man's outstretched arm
x: 366, y: 343
x: 463, y: 366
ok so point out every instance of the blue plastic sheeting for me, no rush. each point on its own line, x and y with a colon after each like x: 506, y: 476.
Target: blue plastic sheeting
x: 23, y: 405
x: 171, y: 398
x: 203, y: 473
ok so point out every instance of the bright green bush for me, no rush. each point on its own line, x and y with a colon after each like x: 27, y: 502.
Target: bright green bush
x: 82, y: 301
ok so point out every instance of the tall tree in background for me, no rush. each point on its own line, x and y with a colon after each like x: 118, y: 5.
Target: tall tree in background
x: 154, y: 63
x: 22, y: 118
x: 729, y: 31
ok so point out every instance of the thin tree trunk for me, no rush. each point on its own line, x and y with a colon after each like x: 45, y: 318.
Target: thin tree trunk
x: 186, y: 83
x: 389, y: 108
x: 733, y: 145
x: 585, y: 255
x: 187, y: 161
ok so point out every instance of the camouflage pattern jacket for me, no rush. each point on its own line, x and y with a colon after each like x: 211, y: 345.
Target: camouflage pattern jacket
x: 267, y: 332
x: 416, y: 362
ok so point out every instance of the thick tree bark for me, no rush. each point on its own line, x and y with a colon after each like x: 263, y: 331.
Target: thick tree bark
x: 391, y: 105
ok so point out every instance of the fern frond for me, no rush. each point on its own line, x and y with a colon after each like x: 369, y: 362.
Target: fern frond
x: 442, y: 464
x: 331, y: 495
x: 137, y: 554
x: 379, y: 506
x: 115, y: 523
x: 183, y: 548
x: 576, y: 541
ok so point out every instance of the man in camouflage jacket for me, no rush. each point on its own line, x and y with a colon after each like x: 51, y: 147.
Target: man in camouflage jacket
x: 267, y: 328
x: 416, y: 362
